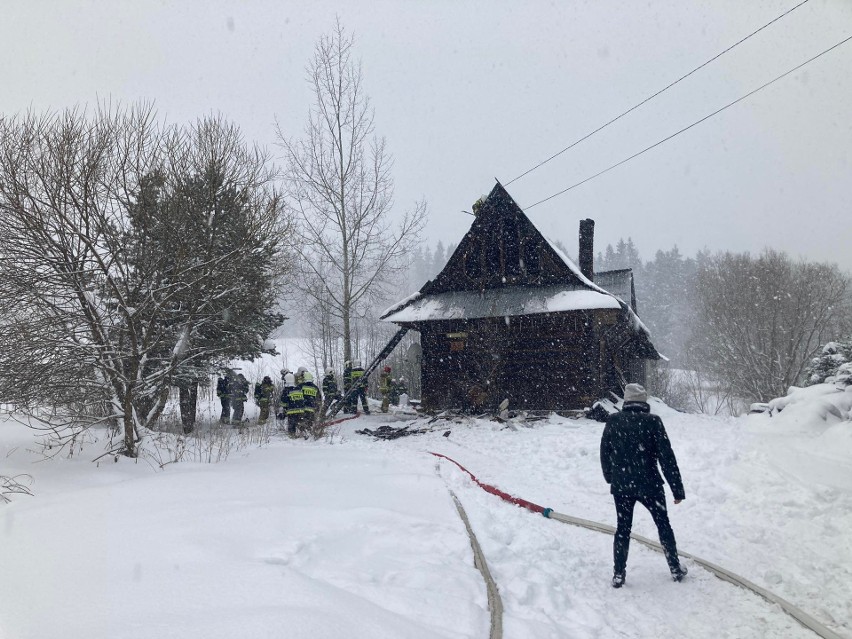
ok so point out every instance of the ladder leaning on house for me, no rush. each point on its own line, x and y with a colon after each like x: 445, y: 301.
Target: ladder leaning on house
x: 362, y: 381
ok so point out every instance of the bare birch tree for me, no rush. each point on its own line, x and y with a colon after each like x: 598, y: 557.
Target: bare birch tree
x: 340, y: 187
x: 130, y: 250
x: 760, y: 320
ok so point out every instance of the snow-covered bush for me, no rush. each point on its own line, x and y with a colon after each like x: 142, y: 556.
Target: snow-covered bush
x: 833, y: 361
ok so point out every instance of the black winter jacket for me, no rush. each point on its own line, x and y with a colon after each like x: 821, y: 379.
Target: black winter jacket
x: 633, y: 442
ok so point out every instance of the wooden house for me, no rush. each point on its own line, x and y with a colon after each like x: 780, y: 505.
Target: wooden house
x: 511, y: 317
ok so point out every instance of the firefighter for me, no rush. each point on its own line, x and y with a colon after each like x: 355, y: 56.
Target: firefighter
x: 312, y: 399
x: 239, y: 394
x: 357, y: 375
x: 223, y: 392
x: 292, y: 404
x: 385, y: 387
x: 393, y: 391
x: 330, y: 390
x: 263, y: 393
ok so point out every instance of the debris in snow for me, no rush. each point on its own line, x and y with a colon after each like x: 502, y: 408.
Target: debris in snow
x: 389, y: 432
x: 601, y: 409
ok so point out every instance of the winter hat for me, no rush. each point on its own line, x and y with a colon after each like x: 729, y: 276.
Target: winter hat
x: 635, y: 393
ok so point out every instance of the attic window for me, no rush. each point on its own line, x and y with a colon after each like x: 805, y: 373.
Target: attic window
x: 472, y: 260
x: 532, y: 257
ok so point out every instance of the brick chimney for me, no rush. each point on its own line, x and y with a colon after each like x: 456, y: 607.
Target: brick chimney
x: 587, y: 249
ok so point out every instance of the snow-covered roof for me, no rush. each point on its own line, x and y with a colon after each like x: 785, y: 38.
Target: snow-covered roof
x: 509, y: 301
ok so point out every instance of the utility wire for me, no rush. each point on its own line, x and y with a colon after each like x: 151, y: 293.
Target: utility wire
x: 651, y: 97
x: 706, y: 117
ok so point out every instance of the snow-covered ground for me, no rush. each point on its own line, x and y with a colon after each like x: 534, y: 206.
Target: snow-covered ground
x: 354, y: 537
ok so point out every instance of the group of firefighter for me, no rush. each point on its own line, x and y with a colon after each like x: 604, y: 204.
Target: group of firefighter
x: 301, y: 402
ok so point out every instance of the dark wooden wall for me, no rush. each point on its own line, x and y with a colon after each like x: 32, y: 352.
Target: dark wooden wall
x: 557, y: 361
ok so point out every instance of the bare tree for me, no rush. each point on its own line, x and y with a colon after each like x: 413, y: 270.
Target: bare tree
x: 340, y: 187
x: 761, y: 320
x: 130, y: 252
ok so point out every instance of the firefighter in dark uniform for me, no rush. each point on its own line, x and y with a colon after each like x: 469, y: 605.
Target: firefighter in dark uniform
x: 292, y: 404
x: 223, y: 392
x: 263, y: 393
x: 312, y: 398
x: 356, y: 375
x: 239, y: 395
x: 330, y: 390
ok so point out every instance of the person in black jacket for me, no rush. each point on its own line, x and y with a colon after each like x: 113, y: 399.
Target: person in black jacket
x: 239, y: 395
x: 223, y: 392
x: 633, y: 442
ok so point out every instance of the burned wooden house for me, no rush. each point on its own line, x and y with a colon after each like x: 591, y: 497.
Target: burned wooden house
x: 511, y: 317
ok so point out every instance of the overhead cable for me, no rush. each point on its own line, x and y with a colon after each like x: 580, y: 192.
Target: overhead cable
x: 651, y: 97
x: 686, y: 128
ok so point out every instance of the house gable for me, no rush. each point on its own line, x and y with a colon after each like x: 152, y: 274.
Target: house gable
x: 503, y: 248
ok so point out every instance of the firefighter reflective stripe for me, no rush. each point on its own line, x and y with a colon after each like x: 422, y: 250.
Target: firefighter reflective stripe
x: 293, y: 402
x: 309, y: 391
x: 357, y: 373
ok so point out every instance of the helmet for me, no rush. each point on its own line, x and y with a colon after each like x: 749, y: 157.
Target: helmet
x: 329, y: 371
x: 348, y: 362
x: 289, y: 379
x: 301, y: 370
x: 307, y: 377
x: 401, y: 379
x: 387, y: 369
x: 284, y: 372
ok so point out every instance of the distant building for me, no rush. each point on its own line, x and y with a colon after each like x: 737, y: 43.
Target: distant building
x: 511, y: 317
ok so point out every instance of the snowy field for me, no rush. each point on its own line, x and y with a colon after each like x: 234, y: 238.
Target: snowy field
x: 355, y: 538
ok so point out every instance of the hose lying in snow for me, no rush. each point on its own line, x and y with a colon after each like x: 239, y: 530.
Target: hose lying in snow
x: 799, y: 615
x: 495, y: 604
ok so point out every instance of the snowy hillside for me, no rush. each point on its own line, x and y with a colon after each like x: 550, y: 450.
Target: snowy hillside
x: 360, y: 538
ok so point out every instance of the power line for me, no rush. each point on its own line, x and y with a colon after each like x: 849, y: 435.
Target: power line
x: 651, y: 97
x: 706, y: 117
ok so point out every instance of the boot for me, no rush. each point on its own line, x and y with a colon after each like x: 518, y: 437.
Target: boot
x: 679, y: 573
x: 618, y: 579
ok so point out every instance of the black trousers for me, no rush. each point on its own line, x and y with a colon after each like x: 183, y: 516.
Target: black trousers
x: 656, y: 505
x: 226, y: 410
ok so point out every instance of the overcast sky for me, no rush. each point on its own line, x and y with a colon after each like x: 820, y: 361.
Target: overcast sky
x: 466, y: 92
